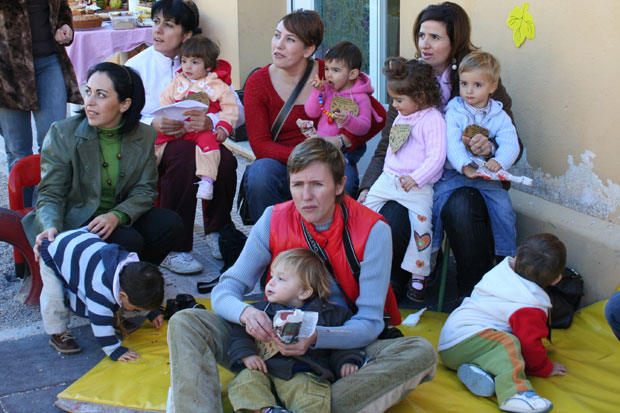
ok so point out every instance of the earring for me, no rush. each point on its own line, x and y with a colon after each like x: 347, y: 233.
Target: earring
x: 454, y: 63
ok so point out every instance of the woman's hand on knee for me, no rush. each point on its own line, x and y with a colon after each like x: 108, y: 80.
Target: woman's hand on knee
x: 104, y: 225
x: 169, y: 127
x: 49, y: 234
x: 198, y: 121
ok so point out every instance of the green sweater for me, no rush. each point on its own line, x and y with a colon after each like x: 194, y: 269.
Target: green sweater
x: 110, y: 144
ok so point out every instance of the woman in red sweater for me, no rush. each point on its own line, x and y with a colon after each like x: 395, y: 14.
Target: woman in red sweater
x: 295, y: 40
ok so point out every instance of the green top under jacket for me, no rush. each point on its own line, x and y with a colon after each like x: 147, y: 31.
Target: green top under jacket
x: 70, y: 188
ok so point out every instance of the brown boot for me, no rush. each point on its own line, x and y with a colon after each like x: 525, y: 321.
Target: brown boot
x: 64, y: 343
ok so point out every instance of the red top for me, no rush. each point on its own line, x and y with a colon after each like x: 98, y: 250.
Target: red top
x: 262, y: 105
x: 286, y: 219
x: 529, y: 324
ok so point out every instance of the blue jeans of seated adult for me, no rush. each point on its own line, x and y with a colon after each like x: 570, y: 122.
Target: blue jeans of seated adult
x: 16, y: 125
x: 265, y: 185
x: 612, y: 313
x: 498, y: 203
x: 350, y: 170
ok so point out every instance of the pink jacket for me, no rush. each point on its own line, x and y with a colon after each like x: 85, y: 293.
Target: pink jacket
x: 360, y: 92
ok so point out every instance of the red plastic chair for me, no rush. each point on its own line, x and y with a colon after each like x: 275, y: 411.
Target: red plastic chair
x: 26, y: 172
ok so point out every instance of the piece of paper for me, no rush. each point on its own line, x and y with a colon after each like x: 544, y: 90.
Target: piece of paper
x: 398, y: 136
x: 340, y: 104
x: 176, y: 110
x: 413, y: 319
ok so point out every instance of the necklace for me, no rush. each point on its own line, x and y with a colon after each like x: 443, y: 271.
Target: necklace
x: 330, y: 116
x: 106, y: 165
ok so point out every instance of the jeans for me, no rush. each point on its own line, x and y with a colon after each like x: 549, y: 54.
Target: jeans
x: 612, y: 313
x: 16, y: 125
x: 353, y: 177
x: 265, y: 185
x: 199, y: 341
x: 496, y: 200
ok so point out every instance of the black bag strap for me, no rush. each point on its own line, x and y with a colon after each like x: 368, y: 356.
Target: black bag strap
x: 288, y: 105
x: 354, y: 263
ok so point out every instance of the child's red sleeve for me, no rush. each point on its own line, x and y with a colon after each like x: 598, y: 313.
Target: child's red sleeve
x: 530, y: 326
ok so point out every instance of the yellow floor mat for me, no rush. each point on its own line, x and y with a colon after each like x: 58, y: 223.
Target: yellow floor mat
x: 589, y: 350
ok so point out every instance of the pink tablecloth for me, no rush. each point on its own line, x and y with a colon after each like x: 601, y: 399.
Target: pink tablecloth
x: 90, y: 47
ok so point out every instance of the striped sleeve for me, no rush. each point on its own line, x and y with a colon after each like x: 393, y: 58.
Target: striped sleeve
x: 455, y: 150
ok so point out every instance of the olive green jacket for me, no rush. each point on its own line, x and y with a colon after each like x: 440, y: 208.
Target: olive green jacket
x: 70, y: 188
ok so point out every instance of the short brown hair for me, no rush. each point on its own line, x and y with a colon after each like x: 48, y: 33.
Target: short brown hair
x: 413, y: 78
x: 483, y: 62
x: 348, y: 53
x: 541, y: 258
x: 307, y: 25
x: 317, y: 150
x: 202, y: 47
x: 309, y: 268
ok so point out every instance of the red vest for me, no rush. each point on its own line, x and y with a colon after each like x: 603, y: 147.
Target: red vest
x: 286, y: 233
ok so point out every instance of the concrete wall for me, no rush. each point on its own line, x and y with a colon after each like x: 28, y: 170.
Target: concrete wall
x: 564, y: 90
x: 243, y: 29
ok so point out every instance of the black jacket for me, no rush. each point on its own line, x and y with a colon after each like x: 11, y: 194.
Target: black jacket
x: 325, y: 363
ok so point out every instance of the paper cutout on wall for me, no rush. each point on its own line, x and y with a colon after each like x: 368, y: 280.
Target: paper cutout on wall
x: 522, y: 24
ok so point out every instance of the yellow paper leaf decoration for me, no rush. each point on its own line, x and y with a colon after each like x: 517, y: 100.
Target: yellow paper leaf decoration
x: 522, y: 24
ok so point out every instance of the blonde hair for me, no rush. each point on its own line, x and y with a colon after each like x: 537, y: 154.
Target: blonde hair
x: 482, y: 61
x: 309, y: 268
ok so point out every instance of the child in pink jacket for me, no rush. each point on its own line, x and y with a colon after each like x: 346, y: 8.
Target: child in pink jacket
x: 202, y: 75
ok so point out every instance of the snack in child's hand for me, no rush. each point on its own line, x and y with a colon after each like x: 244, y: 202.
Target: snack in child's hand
x: 473, y: 130
x: 287, y: 324
x: 307, y: 128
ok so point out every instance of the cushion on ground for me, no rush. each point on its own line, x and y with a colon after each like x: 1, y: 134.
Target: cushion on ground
x: 589, y: 350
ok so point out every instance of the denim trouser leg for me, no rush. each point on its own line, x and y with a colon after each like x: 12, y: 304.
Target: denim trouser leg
x: 198, y: 341
x: 502, y: 219
x: 52, y: 98
x: 612, y: 313
x: 51, y: 93
x: 265, y: 185
x: 353, y: 177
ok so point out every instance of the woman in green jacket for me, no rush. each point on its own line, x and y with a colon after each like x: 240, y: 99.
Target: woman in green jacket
x: 98, y: 170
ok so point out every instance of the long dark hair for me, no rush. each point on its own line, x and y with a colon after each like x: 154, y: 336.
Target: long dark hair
x: 182, y: 12
x: 458, y: 28
x: 127, y: 84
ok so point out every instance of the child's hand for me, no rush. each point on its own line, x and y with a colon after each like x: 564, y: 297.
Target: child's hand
x: 492, y: 165
x: 470, y: 172
x: 407, y: 182
x: 158, y: 321
x: 220, y: 135
x: 347, y: 369
x: 362, y: 196
x: 340, y: 117
x: 255, y: 363
x: 317, y: 84
x: 479, y: 145
x: 559, y: 369
x: 129, y: 355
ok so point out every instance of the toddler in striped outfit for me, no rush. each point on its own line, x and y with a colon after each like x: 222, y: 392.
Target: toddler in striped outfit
x: 95, y: 279
x: 414, y: 160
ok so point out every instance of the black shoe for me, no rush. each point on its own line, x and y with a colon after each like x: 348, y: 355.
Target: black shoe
x: 413, y: 293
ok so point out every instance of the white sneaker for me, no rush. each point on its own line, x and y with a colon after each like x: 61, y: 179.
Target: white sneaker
x: 181, y: 263
x: 205, y: 190
x: 213, y: 243
x: 478, y: 381
x: 526, y: 401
